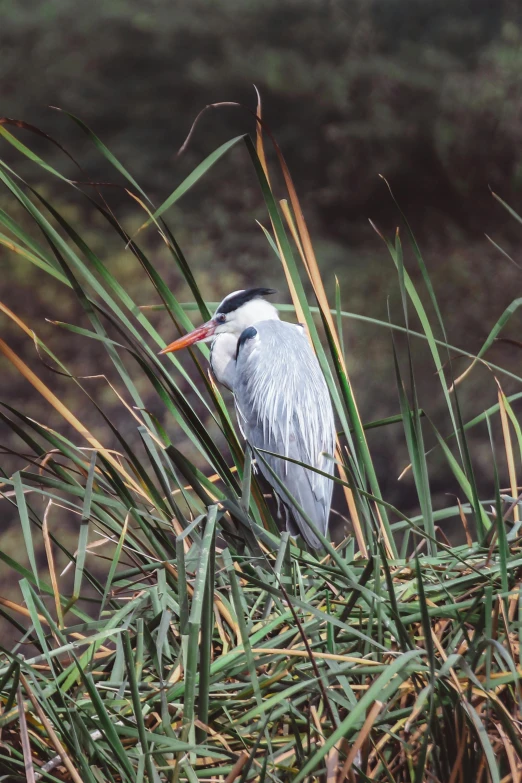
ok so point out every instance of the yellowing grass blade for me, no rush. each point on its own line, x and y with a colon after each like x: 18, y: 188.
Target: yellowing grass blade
x: 291, y: 225
x: 50, y: 562
x: 307, y: 249
x: 509, y: 451
x: 363, y: 734
x: 260, y: 147
x: 290, y: 283
x: 350, y: 501
x: 53, y: 400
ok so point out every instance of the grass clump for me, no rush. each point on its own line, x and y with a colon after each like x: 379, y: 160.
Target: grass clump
x: 192, y: 641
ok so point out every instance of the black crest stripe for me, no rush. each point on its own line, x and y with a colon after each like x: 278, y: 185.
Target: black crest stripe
x: 242, y: 297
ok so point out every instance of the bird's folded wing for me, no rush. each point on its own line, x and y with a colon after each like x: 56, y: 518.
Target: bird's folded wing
x: 283, y: 406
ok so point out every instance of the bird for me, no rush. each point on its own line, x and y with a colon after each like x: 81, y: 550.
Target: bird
x: 281, y: 398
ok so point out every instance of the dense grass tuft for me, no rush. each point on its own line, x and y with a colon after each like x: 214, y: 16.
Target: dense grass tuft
x: 187, y: 639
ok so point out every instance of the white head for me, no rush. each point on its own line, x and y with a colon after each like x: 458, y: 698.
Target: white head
x: 235, y: 313
x: 244, y: 308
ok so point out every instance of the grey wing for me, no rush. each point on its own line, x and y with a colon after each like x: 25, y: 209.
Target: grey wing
x: 283, y: 406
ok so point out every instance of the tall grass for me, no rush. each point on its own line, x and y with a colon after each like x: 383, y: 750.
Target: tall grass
x: 203, y: 645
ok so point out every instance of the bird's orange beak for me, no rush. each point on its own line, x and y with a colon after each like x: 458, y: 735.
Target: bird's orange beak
x: 201, y: 333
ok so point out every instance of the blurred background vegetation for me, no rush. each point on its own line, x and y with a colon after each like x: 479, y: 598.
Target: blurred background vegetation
x: 427, y: 94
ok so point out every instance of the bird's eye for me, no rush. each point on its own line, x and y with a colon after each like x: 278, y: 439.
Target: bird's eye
x: 221, y: 318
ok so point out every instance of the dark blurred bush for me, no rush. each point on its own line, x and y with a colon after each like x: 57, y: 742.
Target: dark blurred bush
x: 427, y: 93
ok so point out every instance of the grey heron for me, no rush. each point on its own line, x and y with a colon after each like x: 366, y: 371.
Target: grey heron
x: 281, y: 398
